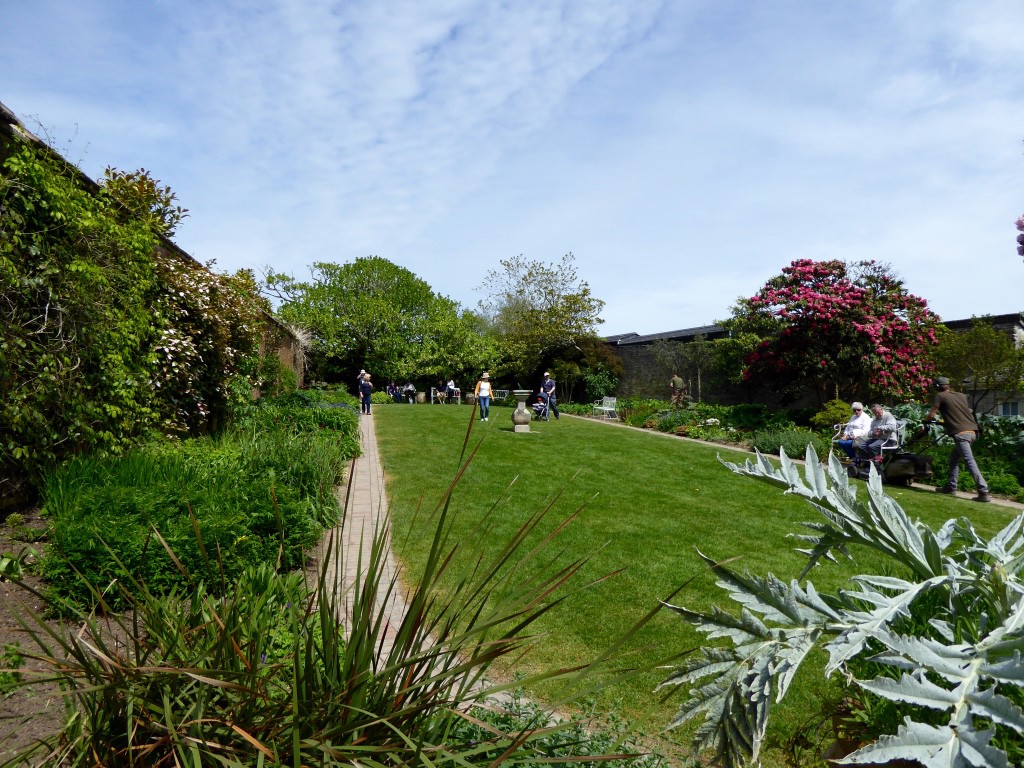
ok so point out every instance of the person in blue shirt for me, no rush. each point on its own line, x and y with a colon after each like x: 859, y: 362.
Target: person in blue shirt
x: 547, y: 391
x: 365, y: 390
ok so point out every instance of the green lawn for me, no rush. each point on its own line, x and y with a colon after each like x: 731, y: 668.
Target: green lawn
x: 646, y: 501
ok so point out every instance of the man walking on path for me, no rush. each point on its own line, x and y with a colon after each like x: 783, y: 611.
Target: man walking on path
x: 960, y: 424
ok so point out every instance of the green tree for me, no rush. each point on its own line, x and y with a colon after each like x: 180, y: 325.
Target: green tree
x: 536, y: 309
x: 981, y: 361
x: 373, y: 314
x: 587, y: 370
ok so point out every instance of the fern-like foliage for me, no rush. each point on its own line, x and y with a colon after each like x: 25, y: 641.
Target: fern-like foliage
x: 963, y: 664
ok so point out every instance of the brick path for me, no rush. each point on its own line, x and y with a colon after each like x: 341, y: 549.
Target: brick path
x: 366, y: 510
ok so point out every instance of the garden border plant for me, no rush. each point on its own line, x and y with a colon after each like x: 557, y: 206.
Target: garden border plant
x: 940, y: 636
x: 264, y: 673
x: 262, y: 492
x: 110, y: 334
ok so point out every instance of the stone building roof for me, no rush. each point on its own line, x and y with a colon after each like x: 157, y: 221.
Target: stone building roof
x: 1012, y: 323
x: 684, y: 334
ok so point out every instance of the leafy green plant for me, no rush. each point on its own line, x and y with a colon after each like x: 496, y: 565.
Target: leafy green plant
x: 12, y: 566
x: 266, y: 672
x: 108, y: 335
x: 715, y: 434
x: 583, y: 737
x: 11, y: 662
x: 833, y: 412
x: 637, y: 411
x: 792, y: 441
x: 754, y: 416
x: 598, y: 383
x: 260, y: 493
x: 947, y: 627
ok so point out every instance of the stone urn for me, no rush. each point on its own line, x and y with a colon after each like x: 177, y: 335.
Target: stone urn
x: 520, y: 416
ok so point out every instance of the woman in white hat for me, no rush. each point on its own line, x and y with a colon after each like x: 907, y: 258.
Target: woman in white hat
x: 856, y: 431
x: 483, y: 395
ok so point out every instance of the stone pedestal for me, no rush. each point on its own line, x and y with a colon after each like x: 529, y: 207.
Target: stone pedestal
x: 520, y: 416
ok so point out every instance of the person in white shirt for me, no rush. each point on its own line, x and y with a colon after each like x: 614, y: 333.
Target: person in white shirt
x: 856, y: 431
x: 483, y: 395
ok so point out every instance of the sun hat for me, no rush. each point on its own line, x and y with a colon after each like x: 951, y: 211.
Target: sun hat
x: 857, y: 406
x: 485, y: 375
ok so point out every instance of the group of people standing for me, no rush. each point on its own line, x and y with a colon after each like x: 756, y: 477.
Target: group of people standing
x: 864, y: 437
x: 482, y: 391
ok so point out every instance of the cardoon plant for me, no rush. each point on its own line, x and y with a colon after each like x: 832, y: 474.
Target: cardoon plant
x: 942, y: 633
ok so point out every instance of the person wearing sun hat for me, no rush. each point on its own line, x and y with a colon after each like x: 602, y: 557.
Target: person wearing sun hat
x: 483, y: 395
x: 855, y: 431
x: 365, y: 390
x: 959, y: 423
x: 547, y: 391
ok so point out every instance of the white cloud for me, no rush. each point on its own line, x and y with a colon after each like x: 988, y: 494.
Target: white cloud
x: 683, y: 152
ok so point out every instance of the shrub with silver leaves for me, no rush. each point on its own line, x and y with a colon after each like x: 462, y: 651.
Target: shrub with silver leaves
x: 962, y: 661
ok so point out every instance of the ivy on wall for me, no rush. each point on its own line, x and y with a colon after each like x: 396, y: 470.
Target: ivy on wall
x: 107, y: 332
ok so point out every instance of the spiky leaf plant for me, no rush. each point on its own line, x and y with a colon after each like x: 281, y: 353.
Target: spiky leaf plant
x: 942, y: 637
x: 264, y: 671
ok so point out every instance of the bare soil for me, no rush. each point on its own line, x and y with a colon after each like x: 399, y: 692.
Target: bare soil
x: 35, y: 711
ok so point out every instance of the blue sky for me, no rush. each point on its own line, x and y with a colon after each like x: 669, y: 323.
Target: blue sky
x: 684, y: 151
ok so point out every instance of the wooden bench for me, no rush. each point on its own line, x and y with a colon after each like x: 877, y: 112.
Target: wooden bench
x: 605, y: 408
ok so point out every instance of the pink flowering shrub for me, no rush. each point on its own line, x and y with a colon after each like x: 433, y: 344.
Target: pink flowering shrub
x: 1020, y: 237
x: 851, y: 330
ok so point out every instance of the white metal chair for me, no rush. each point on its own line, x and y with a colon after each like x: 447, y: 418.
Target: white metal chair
x: 605, y: 408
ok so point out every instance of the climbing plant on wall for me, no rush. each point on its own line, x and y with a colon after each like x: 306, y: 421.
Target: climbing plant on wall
x: 106, y: 334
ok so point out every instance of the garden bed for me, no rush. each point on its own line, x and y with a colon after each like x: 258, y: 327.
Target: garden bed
x: 34, y: 712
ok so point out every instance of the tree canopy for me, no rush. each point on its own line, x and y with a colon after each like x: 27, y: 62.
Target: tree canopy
x: 373, y: 314
x: 537, y: 308
x: 845, y: 330
x: 981, y: 361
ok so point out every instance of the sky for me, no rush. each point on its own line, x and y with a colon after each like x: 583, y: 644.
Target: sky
x: 683, y: 151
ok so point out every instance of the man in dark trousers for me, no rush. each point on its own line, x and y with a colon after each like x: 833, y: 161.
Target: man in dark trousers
x: 547, y: 392
x: 960, y: 424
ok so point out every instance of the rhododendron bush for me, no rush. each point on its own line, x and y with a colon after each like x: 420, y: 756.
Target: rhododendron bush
x: 1020, y: 237
x: 846, y: 330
